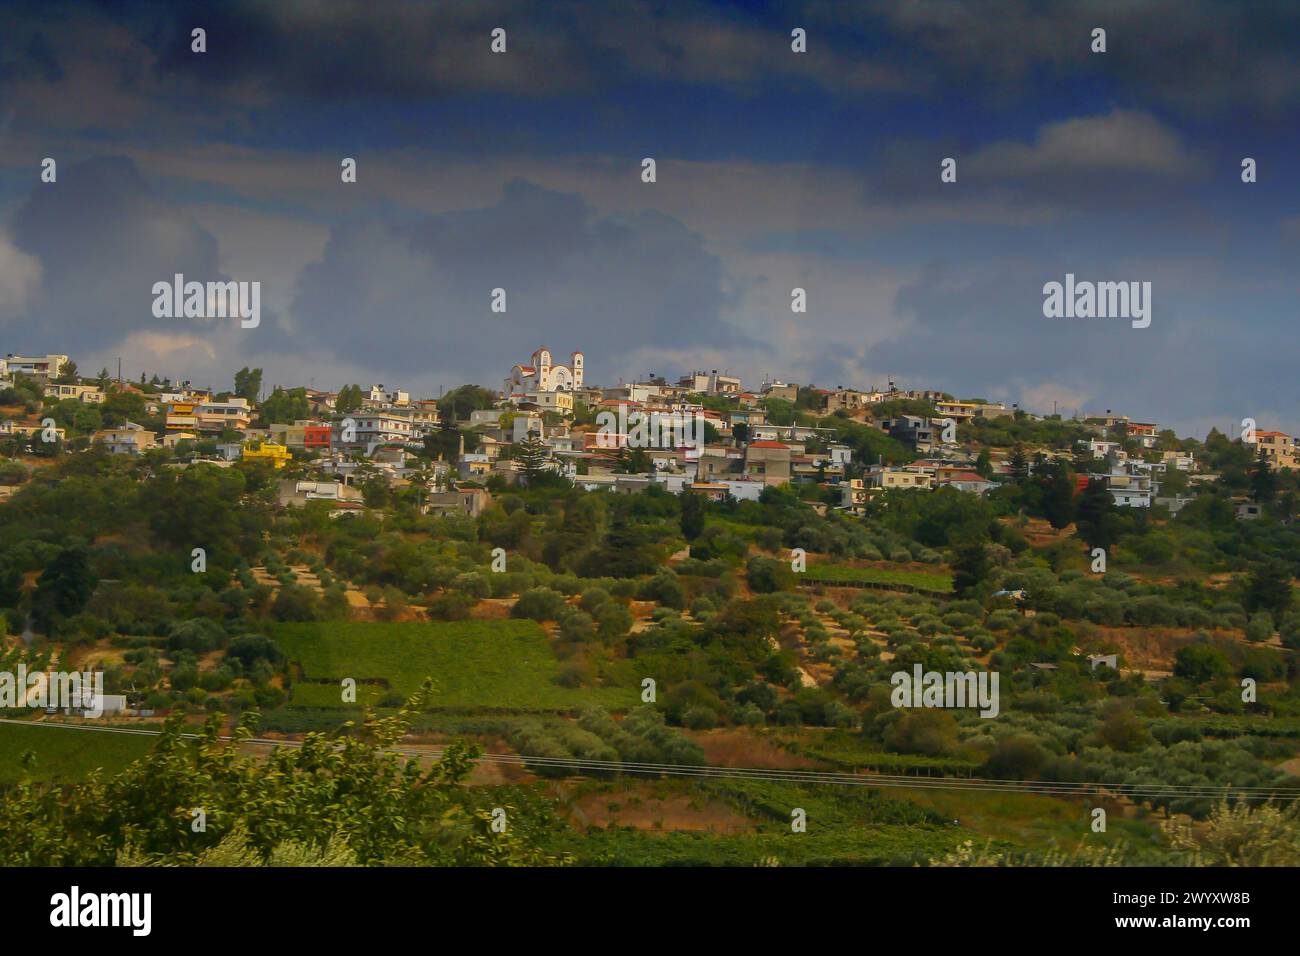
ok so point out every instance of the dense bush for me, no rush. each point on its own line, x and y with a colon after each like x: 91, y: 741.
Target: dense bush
x: 540, y: 604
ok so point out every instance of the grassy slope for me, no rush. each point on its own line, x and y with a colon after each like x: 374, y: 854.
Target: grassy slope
x: 66, y: 756
x: 502, y: 665
x: 921, y: 580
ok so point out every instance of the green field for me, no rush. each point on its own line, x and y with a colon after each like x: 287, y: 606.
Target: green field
x: 498, y: 665
x: 845, y: 750
x: 64, y: 755
x: 847, y: 826
x: 934, y: 581
x: 738, y: 528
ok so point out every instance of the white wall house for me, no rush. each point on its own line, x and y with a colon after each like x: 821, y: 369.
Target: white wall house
x: 544, y: 375
x: 40, y: 366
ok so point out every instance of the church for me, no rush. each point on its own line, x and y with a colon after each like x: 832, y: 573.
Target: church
x: 542, y: 376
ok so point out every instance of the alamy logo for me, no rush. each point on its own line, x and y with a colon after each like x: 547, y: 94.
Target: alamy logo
x: 639, y: 429
x: 951, y: 689
x: 79, y: 690
x: 213, y: 300
x: 103, y: 909
x: 1100, y: 300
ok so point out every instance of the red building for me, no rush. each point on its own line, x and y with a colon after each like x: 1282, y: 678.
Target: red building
x: 316, y: 436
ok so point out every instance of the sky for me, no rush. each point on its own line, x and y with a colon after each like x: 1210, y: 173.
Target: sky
x: 522, y: 171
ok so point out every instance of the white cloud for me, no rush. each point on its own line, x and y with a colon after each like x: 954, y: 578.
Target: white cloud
x: 1122, y: 141
x: 20, y: 277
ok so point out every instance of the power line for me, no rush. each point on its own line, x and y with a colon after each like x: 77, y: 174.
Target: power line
x: 775, y: 775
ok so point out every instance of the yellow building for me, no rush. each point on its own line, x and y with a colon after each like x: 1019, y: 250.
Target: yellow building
x: 270, y: 451
x: 181, y: 416
x: 958, y: 411
x: 1279, y: 448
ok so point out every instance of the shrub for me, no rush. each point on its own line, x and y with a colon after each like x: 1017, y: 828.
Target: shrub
x: 451, y: 606
x: 766, y: 575
x: 1260, y: 627
x: 248, y: 649
x: 295, y: 603
x: 539, y: 604
x: 577, y: 626
x: 665, y: 589
x: 699, y: 718
x: 474, y: 584
x: 613, y: 621
x: 1004, y: 620
x: 593, y: 598
x: 197, y: 634
x: 217, y: 680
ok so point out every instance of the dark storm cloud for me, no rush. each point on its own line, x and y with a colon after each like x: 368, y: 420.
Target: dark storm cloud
x: 416, y: 297
x: 1114, y: 166
x: 42, y: 57
x: 1199, y: 56
x: 1196, y: 55
x: 981, y: 332
x: 346, y: 50
x: 962, y: 322
x: 103, y: 238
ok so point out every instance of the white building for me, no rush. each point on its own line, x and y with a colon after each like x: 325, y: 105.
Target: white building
x: 298, y: 493
x: 38, y: 366
x: 128, y: 439
x: 543, y: 375
x: 485, y: 418
x: 214, y: 416
x: 87, y: 394
x: 558, y: 401
x: 886, y: 476
x: 637, y: 392
x: 370, y: 429
x: 1130, y: 487
x: 380, y: 396
x: 853, y: 494
x: 523, y: 425
x: 968, y: 481
x: 710, y: 383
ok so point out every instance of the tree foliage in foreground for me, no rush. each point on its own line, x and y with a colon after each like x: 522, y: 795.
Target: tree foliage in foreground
x: 1235, y: 834
x: 342, y: 797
